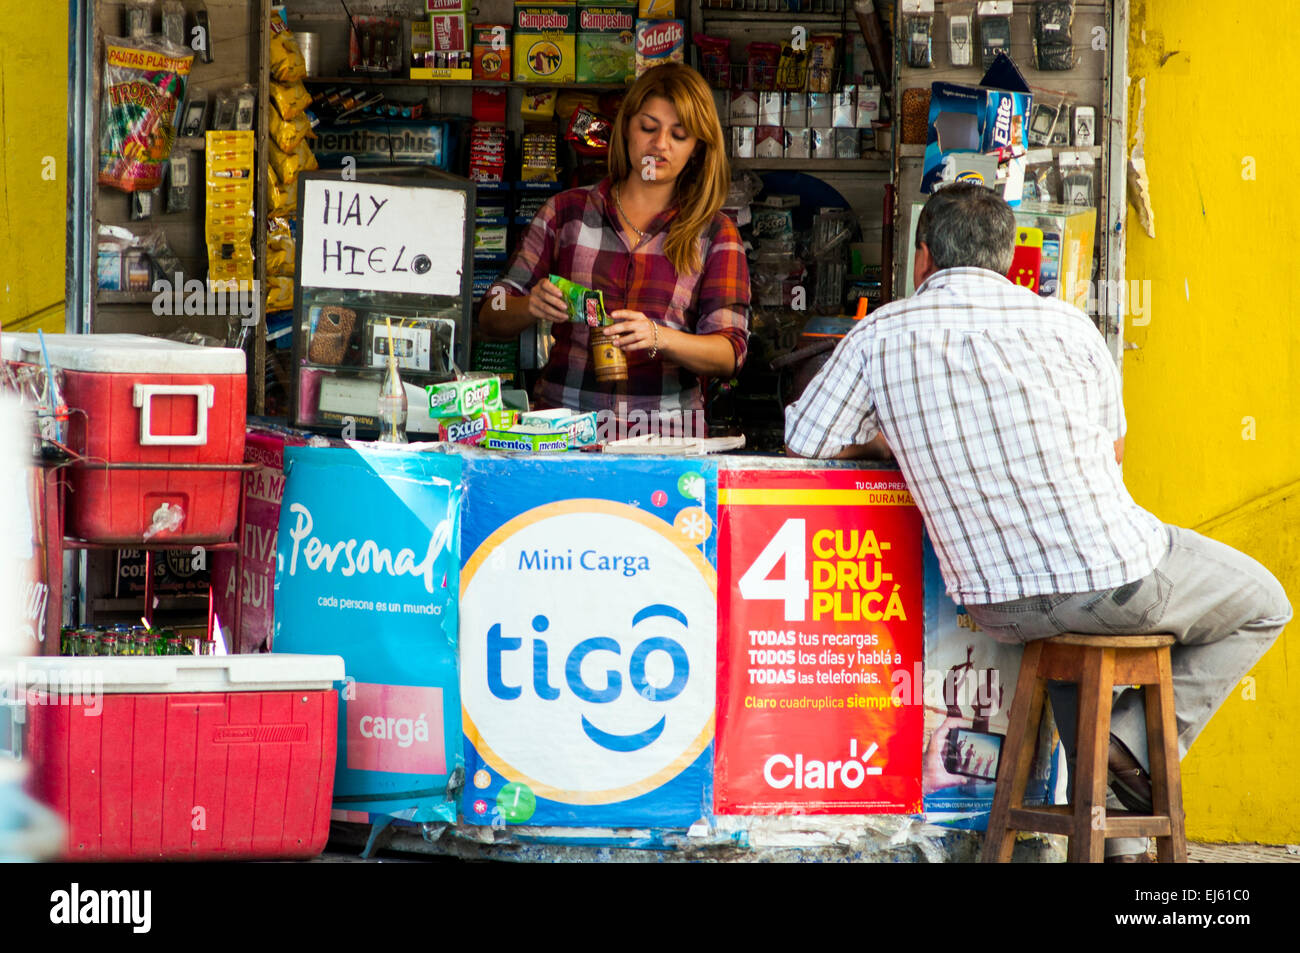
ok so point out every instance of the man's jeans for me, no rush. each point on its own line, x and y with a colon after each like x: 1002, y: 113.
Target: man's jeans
x: 1223, y: 608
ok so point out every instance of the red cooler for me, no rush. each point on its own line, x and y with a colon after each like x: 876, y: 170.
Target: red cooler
x: 138, y: 399
x: 186, y: 758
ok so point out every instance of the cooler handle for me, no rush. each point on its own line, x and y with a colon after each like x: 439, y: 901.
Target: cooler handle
x: 142, y: 396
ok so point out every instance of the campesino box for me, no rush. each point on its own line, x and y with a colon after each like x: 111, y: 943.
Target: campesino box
x: 606, y: 43
x: 544, y: 43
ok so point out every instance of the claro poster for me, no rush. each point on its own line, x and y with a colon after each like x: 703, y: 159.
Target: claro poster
x: 820, y: 641
x: 588, y: 641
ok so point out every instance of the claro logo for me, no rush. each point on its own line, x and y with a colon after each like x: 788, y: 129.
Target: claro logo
x: 589, y: 687
x: 783, y: 771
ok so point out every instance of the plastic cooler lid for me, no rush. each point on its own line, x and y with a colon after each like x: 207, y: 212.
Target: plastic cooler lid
x: 123, y: 354
x: 176, y: 674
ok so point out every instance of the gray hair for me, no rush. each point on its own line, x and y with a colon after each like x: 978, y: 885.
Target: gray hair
x: 967, y: 225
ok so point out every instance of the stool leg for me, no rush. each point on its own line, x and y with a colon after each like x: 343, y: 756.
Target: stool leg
x: 1088, y: 839
x: 1166, y: 776
x: 1022, y: 729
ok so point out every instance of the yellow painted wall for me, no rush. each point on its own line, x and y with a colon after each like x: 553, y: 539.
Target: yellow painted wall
x: 1212, y: 397
x: 33, y: 191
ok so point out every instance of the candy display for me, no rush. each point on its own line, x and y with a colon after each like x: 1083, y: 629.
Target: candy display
x: 144, y: 87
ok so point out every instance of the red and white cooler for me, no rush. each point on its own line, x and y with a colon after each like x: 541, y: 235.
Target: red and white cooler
x: 138, y: 399
x: 184, y: 758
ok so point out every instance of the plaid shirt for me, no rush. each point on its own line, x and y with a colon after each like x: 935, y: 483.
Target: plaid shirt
x: 1002, y: 409
x: 577, y: 236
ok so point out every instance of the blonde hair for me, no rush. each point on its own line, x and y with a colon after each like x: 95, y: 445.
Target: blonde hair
x: 701, y: 188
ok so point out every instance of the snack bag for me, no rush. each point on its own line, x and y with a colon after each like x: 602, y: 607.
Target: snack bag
x: 287, y: 64
x: 280, y: 295
x: 290, y: 100
x: 144, y: 87
x: 288, y: 133
x: 584, y: 303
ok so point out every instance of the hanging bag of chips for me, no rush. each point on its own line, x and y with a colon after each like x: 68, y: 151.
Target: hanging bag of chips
x: 144, y: 87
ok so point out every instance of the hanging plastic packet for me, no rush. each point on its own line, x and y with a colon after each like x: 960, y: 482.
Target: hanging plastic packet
x: 139, y: 18
x: 1040, y: 178
x: 178, y: 181
x: 287, y: 165
x: 764, y: 59
x: 1077, y: 178
x: 589, y: 132
x: 288, y: 133
x: 144, y: 87
x: 245, y: 107
x: 1053, y: 45
x: 195, y: 113
x: 173, y: 21
x: 918, y: 30
x: 994, y: 18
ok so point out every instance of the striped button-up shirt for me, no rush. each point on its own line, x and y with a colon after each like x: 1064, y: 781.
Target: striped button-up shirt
x: 577, y: 236
x: 1002, y: 409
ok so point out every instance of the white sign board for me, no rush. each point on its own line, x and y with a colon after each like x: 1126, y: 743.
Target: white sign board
x: 372, y: 237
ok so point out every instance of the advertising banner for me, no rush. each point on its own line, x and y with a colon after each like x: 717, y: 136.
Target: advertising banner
x: 368, y: 568
x: 969, y: 683
x: 820, y: 638
x: 588, y: 640
x: 263, y: 489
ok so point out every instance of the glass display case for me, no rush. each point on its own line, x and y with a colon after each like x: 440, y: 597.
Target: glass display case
x: 384, y: 266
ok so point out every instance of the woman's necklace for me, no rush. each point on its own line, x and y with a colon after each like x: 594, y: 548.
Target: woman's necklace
x: 619, y: 202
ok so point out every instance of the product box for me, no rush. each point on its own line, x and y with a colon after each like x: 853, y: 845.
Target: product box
x: 580, y: 428
x: 659, y: 42
x: 471, y: 430
x: 492, y: 51
x: 526, y: 440
x: 545, y: 43
x: 465, y: 397
x: 769, y: 143
x: 744, y: 108
x: 138, y: 399
x: 384, y: 142
x: 985, y: 118
x: 606, y: 43
x: 449, y: 32
x: 656, y: 9
x: 125, y: 750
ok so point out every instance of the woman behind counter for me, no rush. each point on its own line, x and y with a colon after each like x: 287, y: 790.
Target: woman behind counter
x: 652, y: 237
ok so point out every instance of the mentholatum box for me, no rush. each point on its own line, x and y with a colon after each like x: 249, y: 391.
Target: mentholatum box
x: 544, y: 43
x: 659, y: 42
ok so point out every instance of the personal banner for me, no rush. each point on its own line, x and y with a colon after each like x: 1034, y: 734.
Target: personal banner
x: 821, y: 638
x: 588, y: 641
x: 368, y: 568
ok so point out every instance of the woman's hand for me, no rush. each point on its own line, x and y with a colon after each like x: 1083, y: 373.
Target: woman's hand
x: 546, y: 302
x: 633, y: 331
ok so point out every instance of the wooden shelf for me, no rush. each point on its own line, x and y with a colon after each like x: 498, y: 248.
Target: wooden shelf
x: 466, y: 83
x: 124, y: 297
x: 912, y: 151
x: 812, y: 166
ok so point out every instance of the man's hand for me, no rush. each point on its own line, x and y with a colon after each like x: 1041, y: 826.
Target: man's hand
x: 1119, y: 450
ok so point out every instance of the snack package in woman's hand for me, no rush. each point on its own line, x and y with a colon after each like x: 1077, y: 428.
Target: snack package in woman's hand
x: 584, y: 303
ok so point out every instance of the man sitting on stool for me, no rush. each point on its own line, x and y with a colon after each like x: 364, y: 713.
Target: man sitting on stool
x: 1005, y: 414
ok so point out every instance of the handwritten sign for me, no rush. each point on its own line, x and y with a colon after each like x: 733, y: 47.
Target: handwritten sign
x: 360, y: 235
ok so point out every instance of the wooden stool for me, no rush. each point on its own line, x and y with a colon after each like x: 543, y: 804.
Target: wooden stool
x: 1096, y: 663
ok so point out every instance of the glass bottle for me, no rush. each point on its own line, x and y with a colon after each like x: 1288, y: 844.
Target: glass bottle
x: 67, y: 640
x: 392, y: 406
